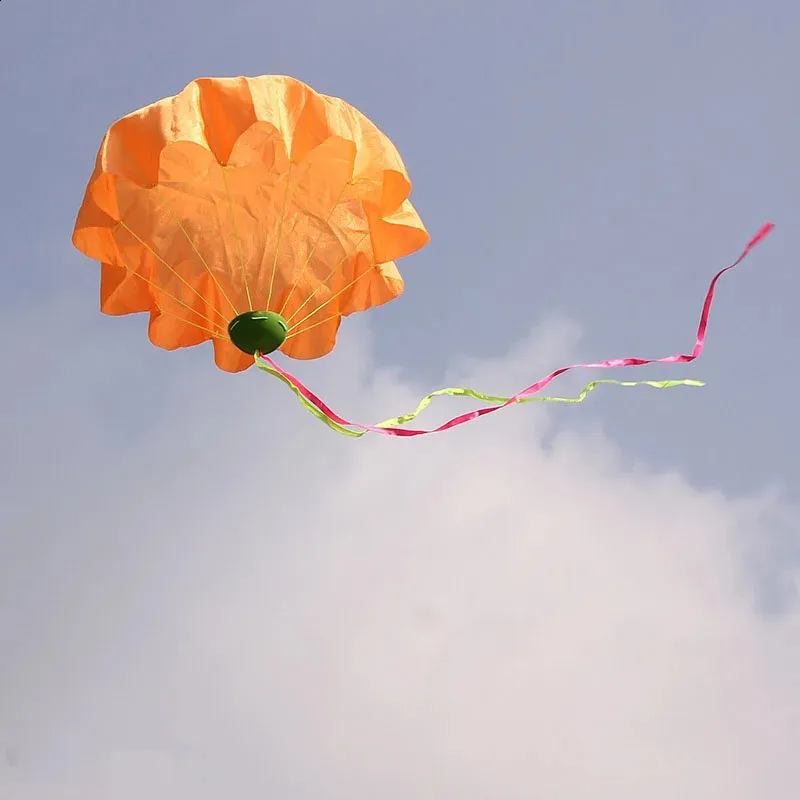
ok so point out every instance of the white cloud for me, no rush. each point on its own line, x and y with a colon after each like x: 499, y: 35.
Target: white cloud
x: 243, y: 604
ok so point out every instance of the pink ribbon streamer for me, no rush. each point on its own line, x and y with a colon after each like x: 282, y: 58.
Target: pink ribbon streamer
x: 543, y: 382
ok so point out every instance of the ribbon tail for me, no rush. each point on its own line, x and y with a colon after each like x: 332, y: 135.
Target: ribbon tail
x: 393, y: 426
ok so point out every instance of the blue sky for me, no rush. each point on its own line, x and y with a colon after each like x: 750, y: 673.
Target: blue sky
x: 544, y: 604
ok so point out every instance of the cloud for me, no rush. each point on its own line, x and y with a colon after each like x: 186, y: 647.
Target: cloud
x: 205, y: 593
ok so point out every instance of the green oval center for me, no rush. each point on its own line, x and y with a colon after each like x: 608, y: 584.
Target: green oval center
x: 258, y: 331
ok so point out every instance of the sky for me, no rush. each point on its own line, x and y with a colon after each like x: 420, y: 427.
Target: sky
x: 204, y: 592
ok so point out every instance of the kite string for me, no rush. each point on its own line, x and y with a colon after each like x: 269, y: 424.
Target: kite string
x: 124, y: 225
x: 310, y: 255
x: 525, y: 393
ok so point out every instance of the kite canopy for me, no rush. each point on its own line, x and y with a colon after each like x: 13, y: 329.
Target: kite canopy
x: 252, y: 212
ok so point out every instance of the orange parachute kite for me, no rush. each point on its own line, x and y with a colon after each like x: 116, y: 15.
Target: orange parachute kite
x: 244, y: 196
x: 256, y: 213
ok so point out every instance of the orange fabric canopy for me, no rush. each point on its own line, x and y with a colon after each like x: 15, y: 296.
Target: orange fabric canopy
x: 243, y: 194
